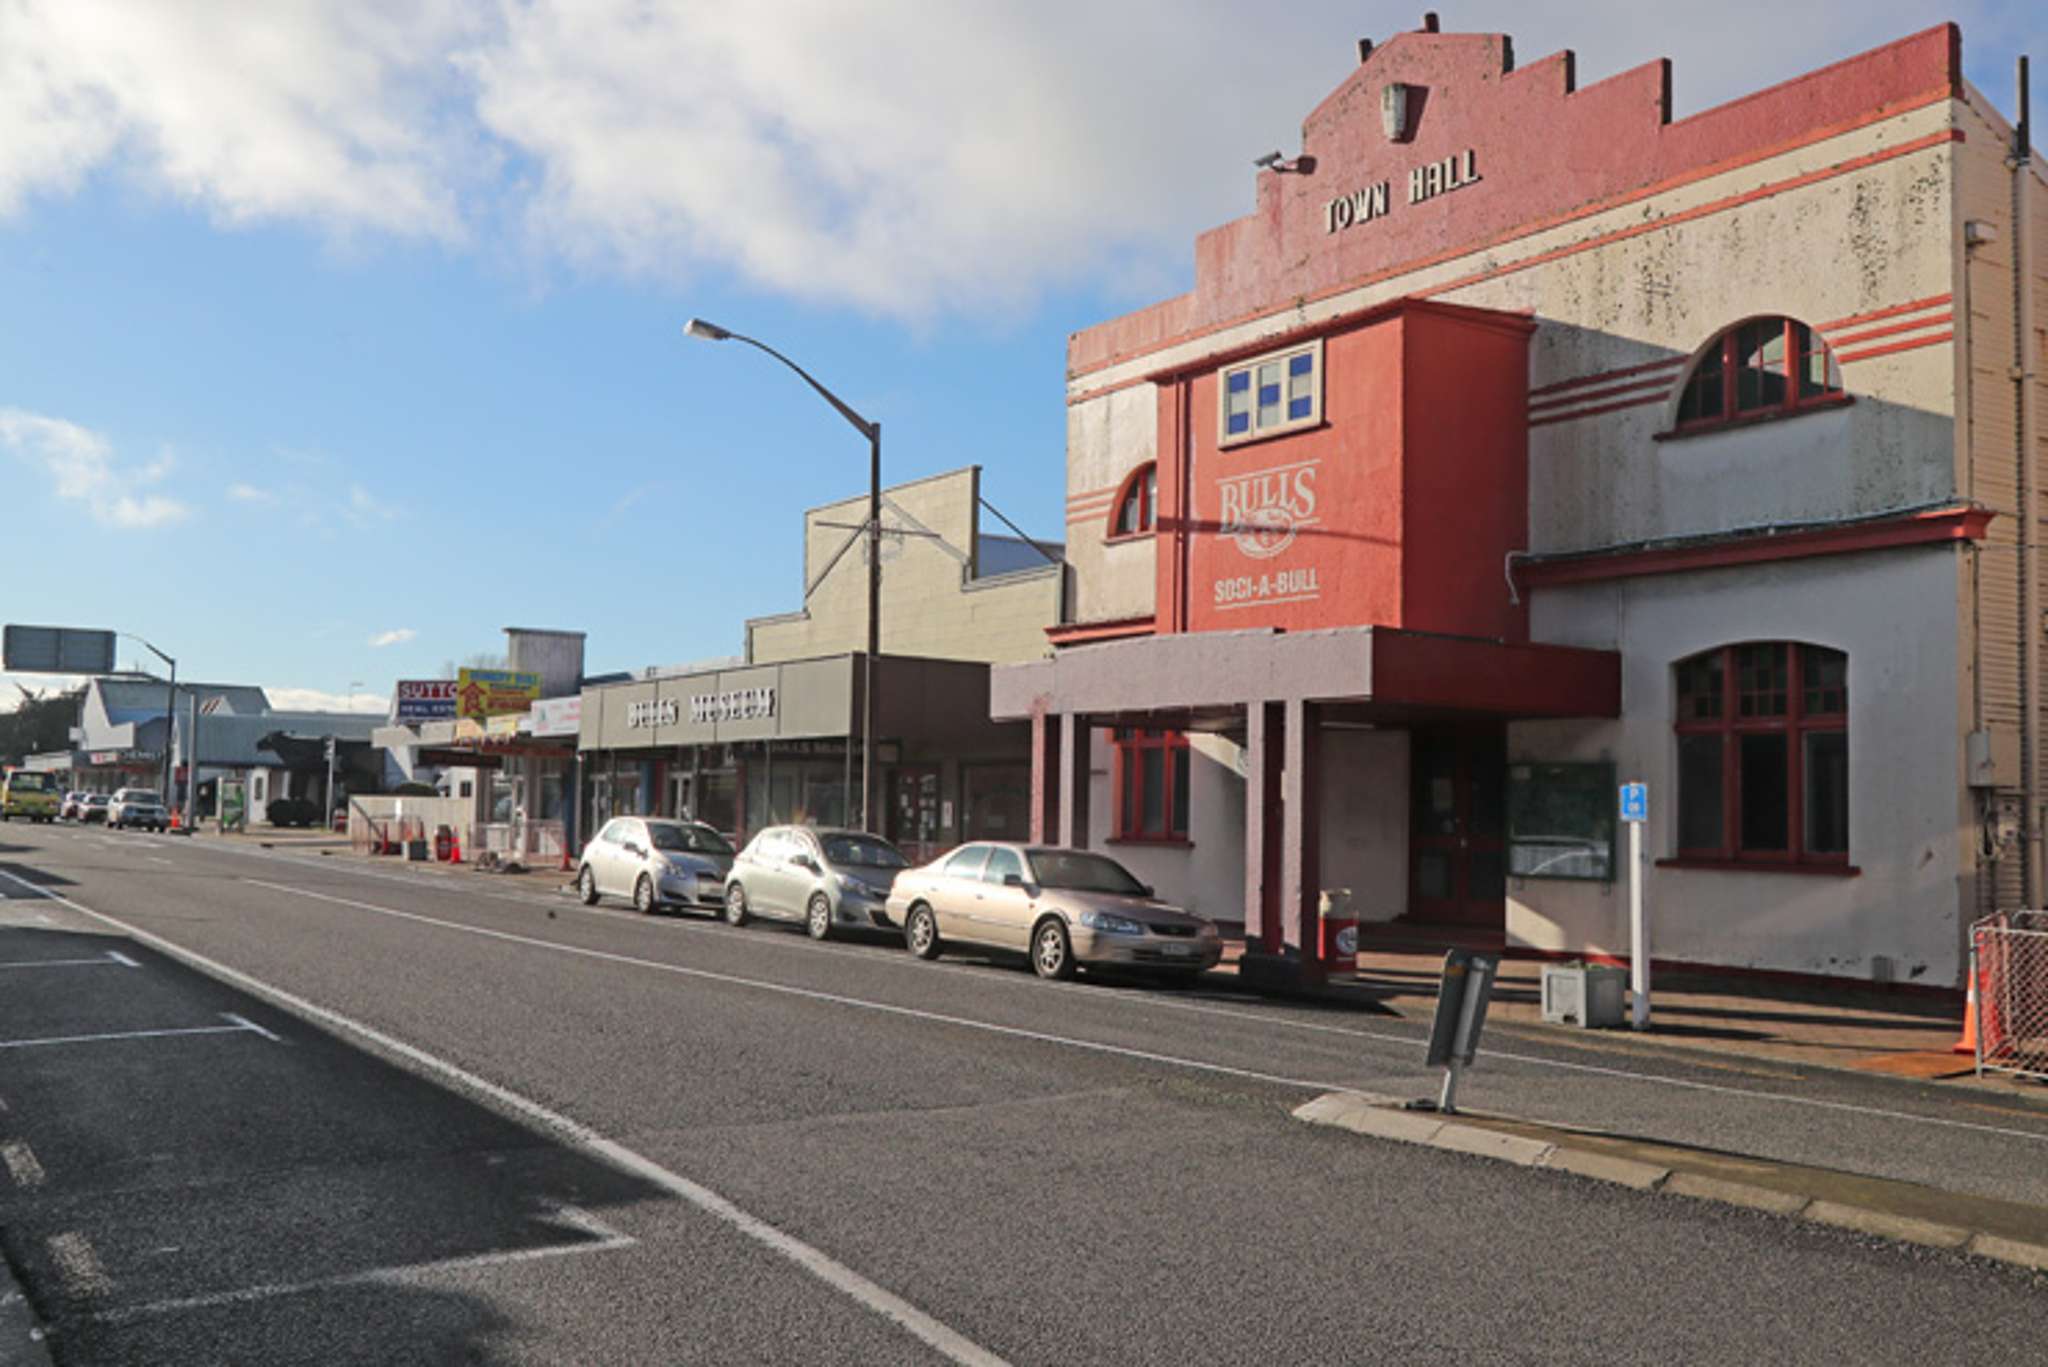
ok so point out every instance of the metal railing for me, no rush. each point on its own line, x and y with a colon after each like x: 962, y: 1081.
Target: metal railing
x: 2009, y: 980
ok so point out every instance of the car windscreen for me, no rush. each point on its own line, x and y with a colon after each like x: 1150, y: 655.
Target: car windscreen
x: 29, y: 783
x: 864, y: 851
x: 142, y: 797
x: 99, y: 800
x: 1080, y: 872
x: 688, y: 839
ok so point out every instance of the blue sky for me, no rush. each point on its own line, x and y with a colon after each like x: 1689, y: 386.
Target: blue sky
x: 360, y: 323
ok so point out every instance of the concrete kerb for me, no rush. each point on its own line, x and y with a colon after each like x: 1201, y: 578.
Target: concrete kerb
x: 1529, y: 1145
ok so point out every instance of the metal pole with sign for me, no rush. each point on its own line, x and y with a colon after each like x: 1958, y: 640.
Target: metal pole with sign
x: 1461, y: 1004
x: 1635, y: 810
x: 327, y: 816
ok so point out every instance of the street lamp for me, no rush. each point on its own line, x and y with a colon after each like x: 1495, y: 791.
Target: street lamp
x: 170, y: 704
x: 712, y: 332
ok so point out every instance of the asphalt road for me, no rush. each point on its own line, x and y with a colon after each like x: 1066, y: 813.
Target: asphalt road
x: 265, y: 1107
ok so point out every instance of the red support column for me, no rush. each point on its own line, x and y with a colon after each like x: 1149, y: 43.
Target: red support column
x: 1045, y: 782
x: 1077, y: 744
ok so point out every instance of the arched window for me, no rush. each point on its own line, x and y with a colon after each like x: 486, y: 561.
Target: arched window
x: 1763, y: 754
x: 1132, y: 513
x: 1767, y: 367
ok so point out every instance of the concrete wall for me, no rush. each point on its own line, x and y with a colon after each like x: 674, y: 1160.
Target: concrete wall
x: 932, y: 603
x: 1107, y: 439
x: 1893, y: 612
x: 557, y: 656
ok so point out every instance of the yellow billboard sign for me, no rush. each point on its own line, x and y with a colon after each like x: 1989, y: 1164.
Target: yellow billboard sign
x: 493, y: 692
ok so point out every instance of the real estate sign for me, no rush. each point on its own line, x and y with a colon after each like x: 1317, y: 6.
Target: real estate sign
x: 425, y: 700
x: 490, y: 692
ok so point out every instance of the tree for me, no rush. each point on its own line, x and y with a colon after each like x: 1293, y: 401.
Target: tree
x: 41, y: 723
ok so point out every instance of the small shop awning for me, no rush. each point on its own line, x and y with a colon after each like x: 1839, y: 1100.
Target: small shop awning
x: 1365, y: 674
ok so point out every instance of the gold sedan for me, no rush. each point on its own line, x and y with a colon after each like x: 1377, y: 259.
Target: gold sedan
x: 1063, y: 908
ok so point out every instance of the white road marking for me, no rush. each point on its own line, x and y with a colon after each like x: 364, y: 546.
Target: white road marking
x: 21, y: 1163
x: 108, y: 960
x: 252, y: 1025
x: 942, y: 1339
x: 602, y: 1239
x: 812, y: 994
x: 240, y: 1027
x: 79, y: 1265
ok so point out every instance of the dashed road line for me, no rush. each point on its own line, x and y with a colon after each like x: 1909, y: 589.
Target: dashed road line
x: 79, y: 1265
x: 108, y: 960
x: 238, y: 1027
x: 21, y: 1163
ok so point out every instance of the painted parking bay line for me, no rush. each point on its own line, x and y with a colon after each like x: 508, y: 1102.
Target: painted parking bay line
x: 238, y: 1026
x: 112, y: 958
x: 22, y: 1164
x: 935, y: 1334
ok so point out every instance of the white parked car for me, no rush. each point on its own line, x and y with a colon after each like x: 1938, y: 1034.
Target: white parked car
x: 138, y: 807
x: 656, y: 862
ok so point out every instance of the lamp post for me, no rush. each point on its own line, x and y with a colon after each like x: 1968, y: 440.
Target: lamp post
x: 711, y: 332
x: 170, y: 705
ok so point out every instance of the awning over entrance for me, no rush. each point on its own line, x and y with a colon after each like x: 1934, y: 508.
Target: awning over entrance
x: 1358, y: 673
x: 1278, y: 692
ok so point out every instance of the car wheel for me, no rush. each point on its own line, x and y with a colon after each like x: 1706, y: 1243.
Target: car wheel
x: 921, y: 932
x: 643, y: 896
x: 1052, y: 952
x: 818, y: 917
x: 586, y: 887
x: 735, y: 905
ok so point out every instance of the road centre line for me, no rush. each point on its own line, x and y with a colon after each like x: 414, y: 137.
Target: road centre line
x: 942, y: 1339
x: 1154, y: 1001
x: 603, y: 1239
x: 241, y: 1027
x: 813, y: 994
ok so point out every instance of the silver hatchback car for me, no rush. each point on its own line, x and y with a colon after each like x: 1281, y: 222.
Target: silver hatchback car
x: 657, y: 863
x: 825, y: 879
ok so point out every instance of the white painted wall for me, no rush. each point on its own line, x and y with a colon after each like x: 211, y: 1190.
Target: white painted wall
x: 1894, y: 613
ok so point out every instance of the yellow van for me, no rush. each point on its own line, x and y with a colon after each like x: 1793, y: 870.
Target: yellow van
x: 30, y: 795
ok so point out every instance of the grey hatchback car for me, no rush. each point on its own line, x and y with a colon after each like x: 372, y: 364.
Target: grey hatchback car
x: 825, y: 879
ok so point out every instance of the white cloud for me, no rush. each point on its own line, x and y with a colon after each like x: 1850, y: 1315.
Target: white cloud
x: 363, y: 508
x: 249, y: 493
x: 80, y: 463
x: 906, y: 157
x: 397, y: 636
x: 316, y: 700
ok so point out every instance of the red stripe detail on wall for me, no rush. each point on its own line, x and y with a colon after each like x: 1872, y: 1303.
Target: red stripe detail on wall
x: 1599, y: 409
x: 1606, y: 375
x: 1849, y: 339
x: 1662, y: 384
x: 1892, y: 312
x: 1845, y: 357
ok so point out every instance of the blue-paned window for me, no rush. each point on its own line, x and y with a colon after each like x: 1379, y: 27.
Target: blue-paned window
x: 1272, y: 394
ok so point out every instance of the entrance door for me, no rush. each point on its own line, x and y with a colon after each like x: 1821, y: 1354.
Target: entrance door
x: 914, y: 811
x: 1457, y: 823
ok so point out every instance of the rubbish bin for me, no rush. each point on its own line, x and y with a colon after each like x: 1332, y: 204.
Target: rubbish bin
x: 444, y: 843
x: 1340, y: 933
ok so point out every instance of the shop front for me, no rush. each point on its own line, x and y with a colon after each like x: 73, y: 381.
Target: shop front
x: 761, y: 745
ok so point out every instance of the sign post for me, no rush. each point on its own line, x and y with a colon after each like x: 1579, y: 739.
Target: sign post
x: 1635, y: 810
x: 327, y: 817
x: 1460, y: 1015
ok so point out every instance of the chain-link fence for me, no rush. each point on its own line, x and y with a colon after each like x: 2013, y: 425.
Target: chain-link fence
x: 2009, y: 980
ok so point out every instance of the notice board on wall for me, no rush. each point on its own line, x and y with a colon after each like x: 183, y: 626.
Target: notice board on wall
x: 1561, y: 821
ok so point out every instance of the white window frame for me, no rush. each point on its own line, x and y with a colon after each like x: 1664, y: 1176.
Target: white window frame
x: 1226, y: 438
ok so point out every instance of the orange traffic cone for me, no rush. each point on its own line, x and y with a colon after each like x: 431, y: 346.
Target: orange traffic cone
x: 177, y: 819
x: 1968, y: 1043
x: 455, y: 848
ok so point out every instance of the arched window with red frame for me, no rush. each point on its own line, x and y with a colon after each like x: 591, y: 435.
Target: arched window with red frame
x: 1763, y: 755
x: 1135, y: 508
x: 1764, y: 368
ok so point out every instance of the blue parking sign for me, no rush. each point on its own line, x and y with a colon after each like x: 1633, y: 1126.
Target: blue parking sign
x: 1635, y: 802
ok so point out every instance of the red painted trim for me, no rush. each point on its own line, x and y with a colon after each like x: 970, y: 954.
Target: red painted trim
x: 1868, y: 352
x: 1547, y: 419
x: 1892, y: 330
x: 1208, y: 360
x: 1825, y: 869
x: 1516, y: 321
x: 1958, y: 523
x: 1080, y: 633
x: 1605, y: 375
x: 1662, y: 384
x: 1115, y: 540
x: 1896, y: 309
